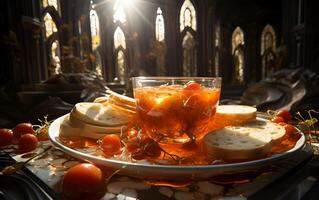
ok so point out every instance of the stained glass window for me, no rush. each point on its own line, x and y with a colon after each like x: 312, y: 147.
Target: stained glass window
x: 95, y: 29
x: 238, y: 54
x: 119, y: 38
x: 187, y: 16
x: 53, y: 3
x: 267, y: 50
x: 159, y: 26
x: 237, y: 38
x: 120, y: 46
x: 98, y: 63
x: 268, y: 39
x: 119, y: 14
x: 121, y: 65
x: 189, y: 55
x: 50, y: 26
x: 55, y: 63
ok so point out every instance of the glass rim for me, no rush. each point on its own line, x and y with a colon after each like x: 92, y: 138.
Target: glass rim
x: 176, y: 78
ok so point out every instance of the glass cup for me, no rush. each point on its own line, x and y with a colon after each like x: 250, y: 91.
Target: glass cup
x: 176, y: 109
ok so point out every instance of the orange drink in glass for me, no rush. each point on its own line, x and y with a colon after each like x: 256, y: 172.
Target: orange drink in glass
x: 176, y: 109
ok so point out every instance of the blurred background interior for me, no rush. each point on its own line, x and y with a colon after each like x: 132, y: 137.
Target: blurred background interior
x: 55, y: 53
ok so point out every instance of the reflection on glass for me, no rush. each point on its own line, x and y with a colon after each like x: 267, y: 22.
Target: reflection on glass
x: 187, y: 16
x: 50, y: 26
x: 159, y: 26
x: 189, y: 55
x: 95, y: 29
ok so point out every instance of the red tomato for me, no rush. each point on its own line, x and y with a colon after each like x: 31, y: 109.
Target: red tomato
x: 285, y: 114
x: 290, y: 129
x: 28, y: 142
x: 21, y: 129
x: 191, y: 85
x: 111, y: 145
x: 6, y: 137
x: 277, y: 119
x: 132, y: 147
x: 83, y: 181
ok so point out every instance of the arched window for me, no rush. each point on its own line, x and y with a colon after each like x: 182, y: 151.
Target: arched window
x: 95, y: 29
x: 55, y: 62
x: 119, y: 39
x: 54, y: 3
x: 187, y: 16
x: 268, y: 39
x: 119, y: 14
x: 238, y: 54
x: 189, y: 55
x: 120, y: 47
x: 98, y: 63
x: 159, y: 45
x: 187, y: 19
x: 267, y: 50
x: 50, y: 26
x: 159, y: 26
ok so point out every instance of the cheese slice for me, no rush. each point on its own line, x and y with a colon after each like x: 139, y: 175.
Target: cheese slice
x: 227, y: 115
x: 100, y: 114
x: 242, y: 142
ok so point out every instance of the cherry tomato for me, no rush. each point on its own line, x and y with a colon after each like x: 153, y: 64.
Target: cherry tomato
x: 285, y: 114
x: 6, y: 137
x: 21, y: 129
x: 290, y: 129
x: 132, y: 147
x: 191, y: 85
x: 83, y: 181
x: 277, y: 119
x: 111, y: 145
x: 27, y: 142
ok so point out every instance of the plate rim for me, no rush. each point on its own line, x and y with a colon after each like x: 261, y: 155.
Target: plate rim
x: 112, y: 162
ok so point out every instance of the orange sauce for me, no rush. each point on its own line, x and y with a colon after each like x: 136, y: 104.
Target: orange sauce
x: 174, y: 114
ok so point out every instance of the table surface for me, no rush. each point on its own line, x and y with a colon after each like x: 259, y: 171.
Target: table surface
x: 287, y: 179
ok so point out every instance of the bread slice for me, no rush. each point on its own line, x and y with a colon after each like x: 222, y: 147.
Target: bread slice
x: 123, y: 99
x: 100, y: 114
x: 244, y: 142
x: 227, y: 115
x: 276, y: 131
x: 71, y: 128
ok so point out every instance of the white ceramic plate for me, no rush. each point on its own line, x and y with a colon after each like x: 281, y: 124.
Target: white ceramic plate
x: 145, y: 170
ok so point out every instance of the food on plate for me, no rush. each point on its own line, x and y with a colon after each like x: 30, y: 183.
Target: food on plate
x: 238, y: 143
x: 99, y: 114
x: 83, y: 181
x: 111, y: 145
x: 247, y: 141
x: 285, y: 114
x: 277, y: 119
x: 227, y: 115
x: 97, y: 119
x: 176, y: 113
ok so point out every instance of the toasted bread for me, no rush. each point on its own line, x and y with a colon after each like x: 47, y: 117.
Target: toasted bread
x: 100, y: 114
x: 227, y: 115
x: 243, y: 142
x: 74, y: 128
